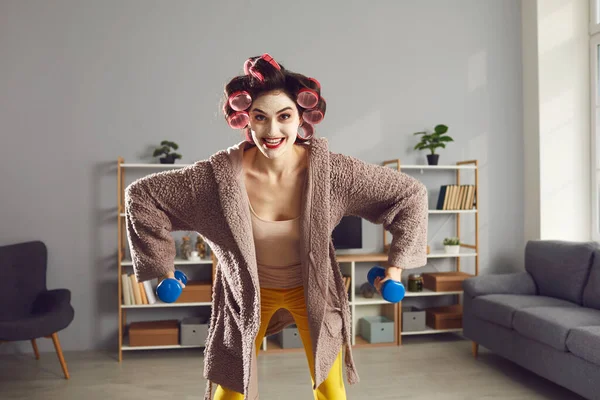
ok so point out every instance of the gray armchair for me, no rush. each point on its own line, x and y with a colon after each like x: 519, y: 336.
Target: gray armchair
x: 28, y: 310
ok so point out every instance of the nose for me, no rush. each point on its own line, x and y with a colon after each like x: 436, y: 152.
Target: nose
x: 273, y: 128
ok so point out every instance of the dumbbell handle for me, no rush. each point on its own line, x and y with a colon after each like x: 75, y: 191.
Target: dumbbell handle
x: 392, y: 291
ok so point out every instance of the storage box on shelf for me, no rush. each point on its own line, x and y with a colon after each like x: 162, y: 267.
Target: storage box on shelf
x: 289, y: 338
x: 377, y: 329
x: 194, y: 331
x: 456, y: 199
x: 153, y: 335
x: 444, y: 317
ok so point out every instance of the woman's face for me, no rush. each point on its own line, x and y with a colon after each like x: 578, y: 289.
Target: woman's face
x: 274, y: 122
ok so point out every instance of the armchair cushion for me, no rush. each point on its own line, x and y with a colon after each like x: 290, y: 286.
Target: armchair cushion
x: 501, y: 308
x: 514, y: 283
x: 51, y: 300
x: 37, y: 325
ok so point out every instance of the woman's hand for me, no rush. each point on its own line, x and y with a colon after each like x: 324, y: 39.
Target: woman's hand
x: 172, y: 276
x: 391, y: 272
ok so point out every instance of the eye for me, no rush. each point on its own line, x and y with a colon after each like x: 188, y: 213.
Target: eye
x: 258, y: 117
x: 288, y: 116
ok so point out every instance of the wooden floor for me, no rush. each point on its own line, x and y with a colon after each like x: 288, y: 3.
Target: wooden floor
x: 424, y: 368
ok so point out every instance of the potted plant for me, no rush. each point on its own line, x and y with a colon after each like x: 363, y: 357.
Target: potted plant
x: 452, y: 245
x: 432, y: 141
x: 166, y: 146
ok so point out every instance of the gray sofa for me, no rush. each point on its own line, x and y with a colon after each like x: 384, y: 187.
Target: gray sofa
x: 547, y: 318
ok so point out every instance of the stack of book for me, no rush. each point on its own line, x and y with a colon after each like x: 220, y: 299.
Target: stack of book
x: 136, y: 293
x: 456, y: 197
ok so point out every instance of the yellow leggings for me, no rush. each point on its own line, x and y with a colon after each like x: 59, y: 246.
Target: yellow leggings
x: 331, y: 388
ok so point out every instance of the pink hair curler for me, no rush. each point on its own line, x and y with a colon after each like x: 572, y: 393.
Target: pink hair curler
x: 238, y: 119
x: 240, y: 100
x: 307, y: 98
x: 307, y: 130
x: 250, y: 70
x: 313, y: 117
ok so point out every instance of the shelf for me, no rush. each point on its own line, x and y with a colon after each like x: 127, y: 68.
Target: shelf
x: 127, y: 347
x: 178, y: 261
x: 453, y: 211
x: 160, y: 304
x: 439, y: 167
x: 427, y: 292
x: 431, y: 331
x: 363, y: 301
x: 361, y: 257
x: 443, y: 254
x: 154, y: 166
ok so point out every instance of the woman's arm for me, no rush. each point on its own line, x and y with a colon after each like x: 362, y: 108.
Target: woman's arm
x: 157, y: 205
x: 396, y: 200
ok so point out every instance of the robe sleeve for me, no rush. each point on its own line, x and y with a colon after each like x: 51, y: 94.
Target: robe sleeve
x: 397, y: 201
x: 155, y: 206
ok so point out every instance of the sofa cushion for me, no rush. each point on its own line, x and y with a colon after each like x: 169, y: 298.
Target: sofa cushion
x: 500, y: 308
x: 585, y: 343
x: 591, y: 293
x: 559, y: 268
x: 551, y: 325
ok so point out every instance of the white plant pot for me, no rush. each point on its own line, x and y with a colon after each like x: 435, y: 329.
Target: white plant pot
x: 452, y: 249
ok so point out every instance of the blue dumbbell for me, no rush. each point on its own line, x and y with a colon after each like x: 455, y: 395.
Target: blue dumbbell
x: 169, y: 289
x: 392, y: 291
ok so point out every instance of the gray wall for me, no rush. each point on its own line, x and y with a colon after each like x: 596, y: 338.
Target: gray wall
x: 82, y: 83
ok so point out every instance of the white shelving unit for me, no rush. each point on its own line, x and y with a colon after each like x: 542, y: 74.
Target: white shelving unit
x: 466, y: 250
x: 126, y: 264
x: 347, y: 263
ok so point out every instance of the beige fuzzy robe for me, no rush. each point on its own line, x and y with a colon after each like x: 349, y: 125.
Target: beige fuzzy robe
x: 207, y: 197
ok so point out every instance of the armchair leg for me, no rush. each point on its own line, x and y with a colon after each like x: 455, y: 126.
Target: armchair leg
x: 475, y: 348
x: 59, y: 353
x: 35, y: 349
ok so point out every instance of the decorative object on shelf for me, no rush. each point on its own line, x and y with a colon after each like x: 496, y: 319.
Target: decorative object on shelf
x: 165, y: 148
x: 432, y: 141
x: 195, y: 256
x: 186, y: 248
x: 200, y: 247
x: 367, y: 291
x: 452, y: 245
x: 415, y: 283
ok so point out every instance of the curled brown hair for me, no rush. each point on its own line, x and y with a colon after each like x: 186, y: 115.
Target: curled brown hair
x: 281, y: 79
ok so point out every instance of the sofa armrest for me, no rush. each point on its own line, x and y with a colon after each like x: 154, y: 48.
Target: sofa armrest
x: 513, y: 283
x: 51, y: 300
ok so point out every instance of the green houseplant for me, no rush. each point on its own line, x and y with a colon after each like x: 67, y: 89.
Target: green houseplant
x: 452, y: 245
x: 431, y: 141
x: 165, y: 148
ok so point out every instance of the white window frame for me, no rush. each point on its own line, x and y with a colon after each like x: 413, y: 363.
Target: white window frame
x: 594, y: 16
x: 595, y: 132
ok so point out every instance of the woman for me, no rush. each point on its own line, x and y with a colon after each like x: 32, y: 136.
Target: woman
x: 267, y: 207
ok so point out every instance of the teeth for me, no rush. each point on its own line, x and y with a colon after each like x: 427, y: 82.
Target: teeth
x: 273, y: 141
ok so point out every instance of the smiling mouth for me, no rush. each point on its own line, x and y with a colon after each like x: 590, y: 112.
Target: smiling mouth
x: 273, y: 143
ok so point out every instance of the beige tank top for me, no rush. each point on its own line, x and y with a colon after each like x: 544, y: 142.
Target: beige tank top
x: 277, y: 246
x: 277, y: 243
